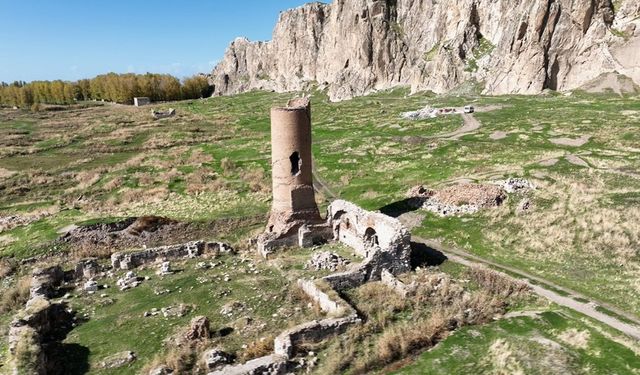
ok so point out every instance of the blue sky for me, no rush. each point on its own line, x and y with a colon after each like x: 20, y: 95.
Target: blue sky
x: 72, y: 39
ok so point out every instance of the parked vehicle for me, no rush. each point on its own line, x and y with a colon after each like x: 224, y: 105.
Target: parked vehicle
x: 469, y: 109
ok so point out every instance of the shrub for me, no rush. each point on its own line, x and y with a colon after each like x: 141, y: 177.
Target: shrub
x: 28, y: 353
x: 258, y: 348
x: 227, y: 165
x: 497, y: 283
x: 6, y: 268
x: 15, y: 296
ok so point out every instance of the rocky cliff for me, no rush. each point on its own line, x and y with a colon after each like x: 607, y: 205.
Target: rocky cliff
x: 353, y: 47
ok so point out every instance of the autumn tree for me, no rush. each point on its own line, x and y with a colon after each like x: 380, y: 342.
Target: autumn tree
x: 196, y: 87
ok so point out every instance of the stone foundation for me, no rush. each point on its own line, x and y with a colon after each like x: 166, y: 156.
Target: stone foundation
x: 127, y: 261
x: 267, y: 365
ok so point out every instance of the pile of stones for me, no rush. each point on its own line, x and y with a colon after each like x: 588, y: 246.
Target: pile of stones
x: 516, y: 185
x: 129, y: 280
x: 456, y: 200
x: 325, y: 260
x: 165, y: 269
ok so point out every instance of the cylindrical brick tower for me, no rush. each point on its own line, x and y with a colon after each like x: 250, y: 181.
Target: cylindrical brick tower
x: 294, y: 201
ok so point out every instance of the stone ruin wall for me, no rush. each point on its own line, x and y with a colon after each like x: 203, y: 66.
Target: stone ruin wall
x: 38, y: 324
x: 385, y: 245
x: 382, y: 240
x: 128, y: 261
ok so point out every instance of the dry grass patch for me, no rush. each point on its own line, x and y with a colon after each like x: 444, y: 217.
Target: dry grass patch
x: 227, y: 165
x: 395, y: 328
x: 6, y: 268
x: 142, y: 196
x: 496, y: 283
x: 5, y: 173
x: 575, y: 338
x: 15, y: 296
x: 113, y: 184
x: 258, y: 348
x: 575, y: 219
x: 199, y: 157
x: 256, y: 180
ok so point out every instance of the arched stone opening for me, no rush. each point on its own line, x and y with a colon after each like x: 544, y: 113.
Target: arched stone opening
x: 371, y: 238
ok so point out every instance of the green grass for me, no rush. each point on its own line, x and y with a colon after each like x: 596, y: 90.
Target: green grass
x: 37, y: 237
x: 530, y: 345
x: 363, y: 150
x: 120, y: 326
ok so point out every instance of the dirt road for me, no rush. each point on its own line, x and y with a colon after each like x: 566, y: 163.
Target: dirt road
x: 470, y: 125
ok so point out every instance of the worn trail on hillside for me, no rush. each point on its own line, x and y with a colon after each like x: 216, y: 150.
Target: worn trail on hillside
x: 471, y: 124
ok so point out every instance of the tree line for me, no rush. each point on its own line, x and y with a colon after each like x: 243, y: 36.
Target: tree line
x: 112, y: 87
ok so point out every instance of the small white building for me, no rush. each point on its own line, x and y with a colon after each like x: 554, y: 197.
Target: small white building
x: 139, y: 102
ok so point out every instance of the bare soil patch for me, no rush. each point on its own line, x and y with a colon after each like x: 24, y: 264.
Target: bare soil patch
x: 496, y: 136
x: 572, y: 142
x: 575, y: 160
x: 104, y: 238
x: 549, y: 162
x: 471, y: 194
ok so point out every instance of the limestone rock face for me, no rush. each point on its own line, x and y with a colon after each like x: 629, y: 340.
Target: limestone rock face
x: 355, y: 47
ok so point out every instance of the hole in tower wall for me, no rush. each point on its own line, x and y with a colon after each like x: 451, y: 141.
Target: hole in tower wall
x: 296, y: 163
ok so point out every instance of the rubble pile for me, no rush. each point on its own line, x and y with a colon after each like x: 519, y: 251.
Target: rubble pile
x: 516, y: 185
x: 129, y: 280
x: 456, y: 200
x: 325, y: 260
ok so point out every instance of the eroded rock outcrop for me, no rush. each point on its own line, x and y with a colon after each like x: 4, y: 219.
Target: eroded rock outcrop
x: 355, y: 47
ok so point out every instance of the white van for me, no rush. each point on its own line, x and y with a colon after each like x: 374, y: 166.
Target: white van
x: 469, y: 109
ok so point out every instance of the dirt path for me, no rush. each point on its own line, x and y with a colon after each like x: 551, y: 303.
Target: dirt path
x: 572, y: 300
x: 470, y: 126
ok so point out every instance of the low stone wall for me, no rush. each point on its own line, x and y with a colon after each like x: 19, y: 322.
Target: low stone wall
x: 314, y: 331
x: 39, y: 322
x: 127, y: 261
x: 44, y: 281
x: 270, y: 242
x: 321, y: 298
x: 388, y: 279
x: 271, y: 365
x: 346, y: 280
x: 87, y: 269
x: 385, y: 245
